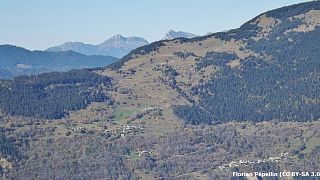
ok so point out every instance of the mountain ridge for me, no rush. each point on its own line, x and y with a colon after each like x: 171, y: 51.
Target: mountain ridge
x: 16, y: 61
x: 116, y: 46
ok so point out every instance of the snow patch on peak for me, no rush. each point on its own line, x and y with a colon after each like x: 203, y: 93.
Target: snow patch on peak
x: 171, y: 34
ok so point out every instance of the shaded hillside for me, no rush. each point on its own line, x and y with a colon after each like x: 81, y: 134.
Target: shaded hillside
x: 51, y: 95
x: 16, y: 61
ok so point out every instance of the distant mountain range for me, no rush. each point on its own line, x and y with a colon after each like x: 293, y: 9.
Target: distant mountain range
x: 117, y: 46
x: 178, y: 34
x: 15, y: 61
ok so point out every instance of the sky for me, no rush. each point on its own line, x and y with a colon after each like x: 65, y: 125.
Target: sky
x: 39, y: 24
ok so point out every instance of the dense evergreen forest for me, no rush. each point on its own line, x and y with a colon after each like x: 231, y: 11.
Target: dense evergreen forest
x: 285, y: 87
x: 51, y: 95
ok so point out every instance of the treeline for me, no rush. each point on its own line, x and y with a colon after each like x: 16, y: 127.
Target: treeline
x: 184, y: 54
x: 215, y: 58
x: 51, y: 95
x: 139, y: 51
x: 293, y: 10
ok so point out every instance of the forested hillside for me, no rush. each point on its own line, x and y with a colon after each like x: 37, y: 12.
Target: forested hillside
x: 51, y: 95
x: 282, y: 82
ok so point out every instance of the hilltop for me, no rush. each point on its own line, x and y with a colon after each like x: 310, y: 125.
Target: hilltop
x: 269, y: 67
x: 171, y: 34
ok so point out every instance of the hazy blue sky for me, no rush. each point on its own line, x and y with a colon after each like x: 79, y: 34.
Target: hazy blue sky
x: 38, y: 24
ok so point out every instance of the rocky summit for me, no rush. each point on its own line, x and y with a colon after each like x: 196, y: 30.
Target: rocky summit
x: 116, y: 46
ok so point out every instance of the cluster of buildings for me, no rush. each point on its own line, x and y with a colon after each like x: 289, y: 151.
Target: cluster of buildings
x: 77, y: 128
x: 144, y: 153
x: 5, y: 165
x: 278, y: 159
x: 125, y: 129
x: 149, y: 108
x: 129, y: 128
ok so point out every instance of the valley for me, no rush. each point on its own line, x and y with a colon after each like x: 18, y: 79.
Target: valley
x: 244, y: 100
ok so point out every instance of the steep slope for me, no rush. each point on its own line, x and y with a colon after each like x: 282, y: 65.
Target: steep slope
x: 265, y: 70
x: 16, y: 61
x: 177, y: 34
x: 116, y: 46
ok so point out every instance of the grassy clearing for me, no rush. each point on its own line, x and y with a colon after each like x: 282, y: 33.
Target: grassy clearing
x: 134, y: 155
x: 122, y: 112
x: 311, y: 144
